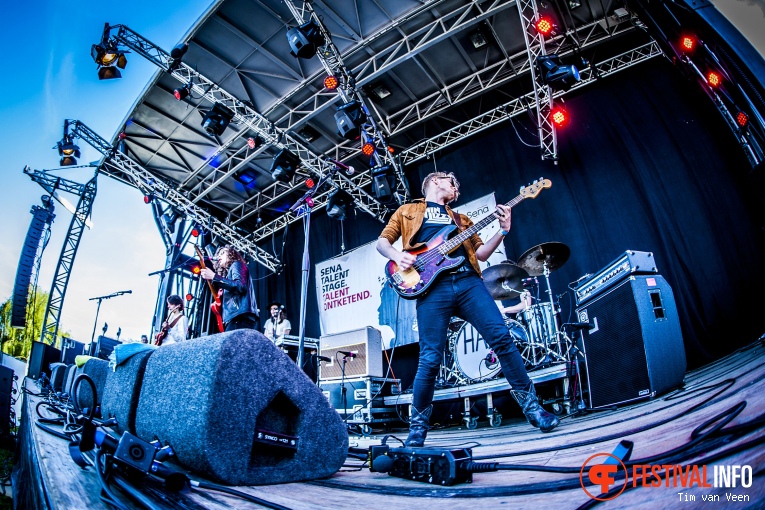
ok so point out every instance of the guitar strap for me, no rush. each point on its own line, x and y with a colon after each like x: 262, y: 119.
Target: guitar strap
x: 172, y: 324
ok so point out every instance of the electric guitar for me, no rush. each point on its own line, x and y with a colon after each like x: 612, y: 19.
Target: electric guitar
x: 216, y: 305
x: 433, y: 258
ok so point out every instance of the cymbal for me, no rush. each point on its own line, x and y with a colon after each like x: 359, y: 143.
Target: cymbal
x: 503, y: 279
x: 552, y: 254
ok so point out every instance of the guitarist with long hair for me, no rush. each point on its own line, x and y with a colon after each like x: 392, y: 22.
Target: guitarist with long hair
x: 459, y: 291
x: 240, y: 309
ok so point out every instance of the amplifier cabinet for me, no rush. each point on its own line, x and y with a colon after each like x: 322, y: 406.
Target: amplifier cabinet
x: 634, y: 347
x: 365, y: 343
x: 40, y: 358
x: 70, y: 349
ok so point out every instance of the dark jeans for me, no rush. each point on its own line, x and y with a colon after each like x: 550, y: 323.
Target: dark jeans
x: 243, y: 321
x: 462, y: 294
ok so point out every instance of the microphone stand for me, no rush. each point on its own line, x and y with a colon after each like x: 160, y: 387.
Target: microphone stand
x: 303, y: 207
x: 98, y: 308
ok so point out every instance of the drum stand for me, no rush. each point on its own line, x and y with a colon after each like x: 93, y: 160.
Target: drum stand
x: 550, y: 354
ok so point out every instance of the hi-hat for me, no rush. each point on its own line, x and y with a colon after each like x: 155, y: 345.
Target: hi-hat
x: 505, y: 280
x: 552, y: 255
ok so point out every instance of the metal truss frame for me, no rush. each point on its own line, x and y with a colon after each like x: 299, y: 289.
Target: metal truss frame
x: 519, y: 105
x: 87, y: 194
x: 270, y: 135
x: 118, y: 165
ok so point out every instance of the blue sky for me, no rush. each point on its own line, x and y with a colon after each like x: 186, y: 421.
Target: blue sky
x: 51, y: 77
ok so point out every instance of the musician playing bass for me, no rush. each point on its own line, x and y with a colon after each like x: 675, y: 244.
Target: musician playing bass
x: 240, y: 310
x: 459, y: 292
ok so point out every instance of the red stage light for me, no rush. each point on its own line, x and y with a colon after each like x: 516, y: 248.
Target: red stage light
x: 742, y: 119
x: 559, y: 116
x: 196, y: 269
x: 309, y: 202
x: 544, y: 25
x: 147, y: 199
x: 688, y: 43
x: 251, y: 142
x: 714, y: 79
x: 189, y: 297
x: 309, y: 182
x: 368, y: 149
x: 331, y: 82
x: 391, y: 149
x: 195, y: 232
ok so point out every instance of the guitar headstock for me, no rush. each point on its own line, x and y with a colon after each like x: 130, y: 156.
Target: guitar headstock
x: 536, y: 187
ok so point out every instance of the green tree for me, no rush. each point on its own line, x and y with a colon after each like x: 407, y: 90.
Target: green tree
x: 17, y: 342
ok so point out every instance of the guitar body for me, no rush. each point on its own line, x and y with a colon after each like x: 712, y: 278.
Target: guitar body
x: 217, y: 309
x: 433, y: 258
x: 416, y: 280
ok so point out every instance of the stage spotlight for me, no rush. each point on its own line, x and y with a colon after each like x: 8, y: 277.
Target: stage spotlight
x: 559, y: 116
x: 687, y: 44
x: 383, y: 183
x: 284, y: 166
x: 254, y: 141
x: 182, y: 93
x: 554, y: 74
x: 305, y: 39
x: 338, y: 204
x: 714, y: 79
x: 309, y: 183
x: 68, y: 151
x: 216, y: 120
x: 108, y: 57
x: 196, y: 231
x: 742, y: 119
x: 189, y: 297
x: 147, y: 199
x: 368, y: 149
x: 331, y: 82
x: 545, y: 26
x: 176, y: 56
x: 349, y: 118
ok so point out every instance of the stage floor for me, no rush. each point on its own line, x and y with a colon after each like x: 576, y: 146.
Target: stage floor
x: 661, y: 429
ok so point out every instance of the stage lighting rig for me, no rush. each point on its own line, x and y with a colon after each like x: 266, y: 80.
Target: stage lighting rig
x: 284, y: 166
x: 556, y: 75
x: 305, y: 40
x: 108, y: 56
x: 217, y: 119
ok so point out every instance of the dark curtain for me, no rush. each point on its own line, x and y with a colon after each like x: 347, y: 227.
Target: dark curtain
x: 646, y: 164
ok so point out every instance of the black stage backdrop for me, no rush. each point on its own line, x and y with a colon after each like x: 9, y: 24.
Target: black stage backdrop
x: 646, y: 164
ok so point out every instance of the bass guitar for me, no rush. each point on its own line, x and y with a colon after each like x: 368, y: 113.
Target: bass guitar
x: 433, y: 258
x: 216, y: 305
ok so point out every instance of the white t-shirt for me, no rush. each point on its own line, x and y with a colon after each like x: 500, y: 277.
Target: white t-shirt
x: 281, y: 329
x: 178, y: 332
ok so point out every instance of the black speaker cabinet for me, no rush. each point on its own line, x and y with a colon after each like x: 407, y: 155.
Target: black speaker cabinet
x: 634, y: 348
x: 103, y: 347
x: 40, y: 358
x: 70, y: 349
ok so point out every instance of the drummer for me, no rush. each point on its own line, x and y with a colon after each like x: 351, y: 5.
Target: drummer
x: 525, y: 302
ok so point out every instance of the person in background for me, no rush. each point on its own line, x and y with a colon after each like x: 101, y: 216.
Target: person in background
x: 144, y: 339
x: 176, y: 324
x: 277, y: 324
x: 460, y: 292
x: 240, y: 309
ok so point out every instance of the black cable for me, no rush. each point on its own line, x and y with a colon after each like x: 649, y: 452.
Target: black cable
x: 102, y: 477
x: 234, y: 492
x: 133, y: 492
x: 53, y: 432
x: 75, y: 391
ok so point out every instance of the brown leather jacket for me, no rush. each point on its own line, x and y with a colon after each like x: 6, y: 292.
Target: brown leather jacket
x: 407, y: 220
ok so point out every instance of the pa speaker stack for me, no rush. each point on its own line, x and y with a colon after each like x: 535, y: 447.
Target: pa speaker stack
x: 6, y: 398
x: 634, y: 347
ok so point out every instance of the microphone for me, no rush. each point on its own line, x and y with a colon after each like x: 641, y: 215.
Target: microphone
x: 382, y: 464
x: 348, y: 354
x: 324, y: 358
x: 348, y: 169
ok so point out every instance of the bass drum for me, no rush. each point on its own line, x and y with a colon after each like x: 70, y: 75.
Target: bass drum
x: 472, y: 355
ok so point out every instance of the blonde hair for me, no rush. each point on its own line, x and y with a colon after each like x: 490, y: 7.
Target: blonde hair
x: 438, y: 175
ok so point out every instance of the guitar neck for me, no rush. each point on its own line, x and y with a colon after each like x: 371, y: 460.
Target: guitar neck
x: 202, y: 265
x: 477, y: 227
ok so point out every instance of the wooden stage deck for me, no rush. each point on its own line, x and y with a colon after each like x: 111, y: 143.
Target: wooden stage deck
x: 661, y: 430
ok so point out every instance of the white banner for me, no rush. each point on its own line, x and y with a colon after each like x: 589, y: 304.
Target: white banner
x: 352, y: 292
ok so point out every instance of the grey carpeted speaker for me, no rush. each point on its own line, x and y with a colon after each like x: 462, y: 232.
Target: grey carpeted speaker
x: 207, y: 398
x: 122, y: 389
x: 96, y: 369
x: 71, y: 371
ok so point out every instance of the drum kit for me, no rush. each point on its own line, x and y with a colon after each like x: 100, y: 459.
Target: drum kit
x: 537, y: 334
